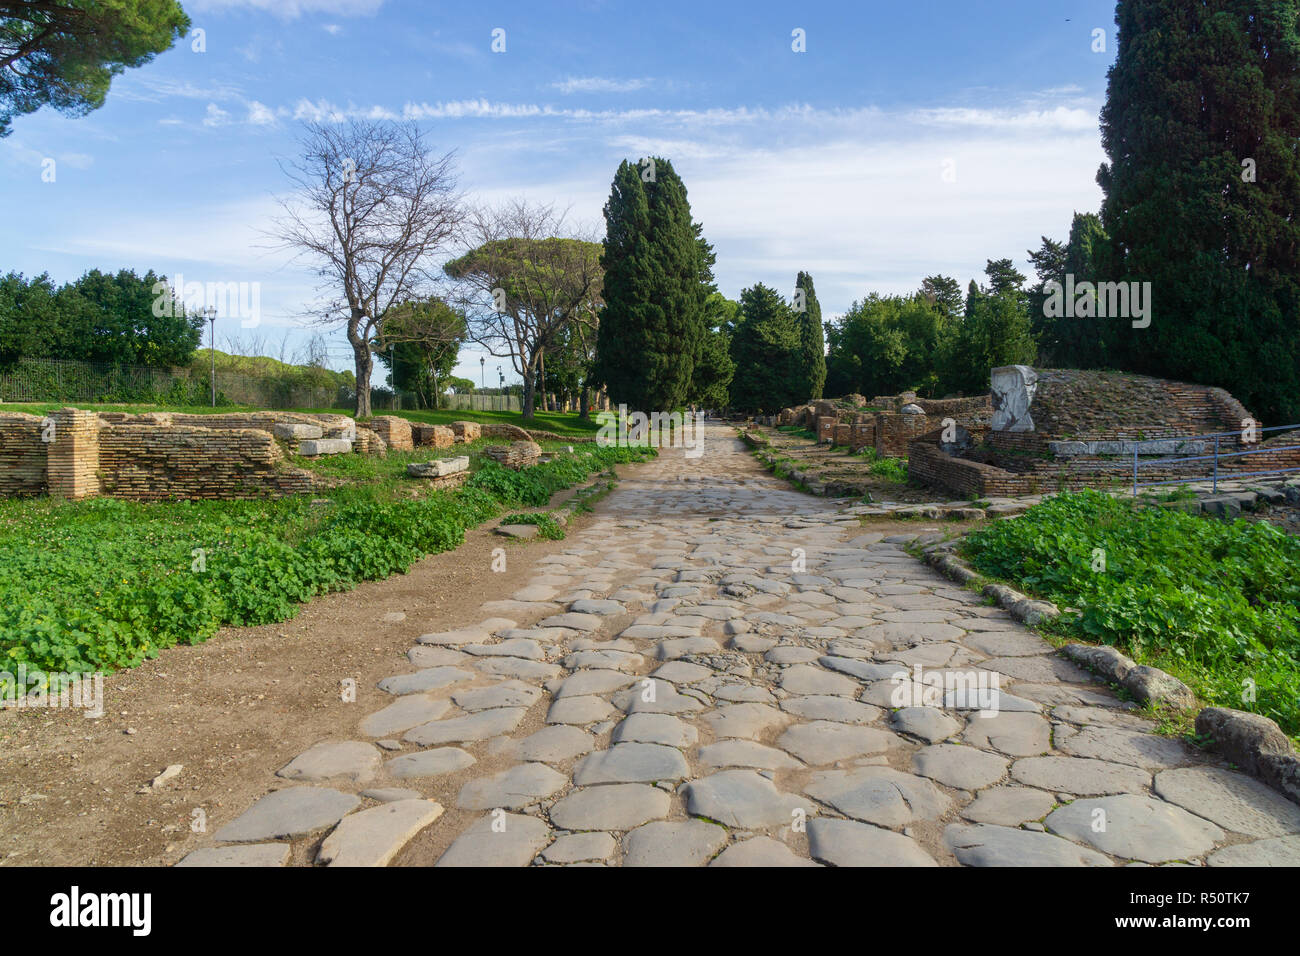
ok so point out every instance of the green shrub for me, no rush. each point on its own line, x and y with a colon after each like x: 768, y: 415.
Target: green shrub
x: 1214, y: 603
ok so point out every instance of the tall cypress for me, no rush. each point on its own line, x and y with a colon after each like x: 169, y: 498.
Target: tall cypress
x: 658, y: 273
x: 767, y: 353
x: 812, y: 342
x: 1200, y: 124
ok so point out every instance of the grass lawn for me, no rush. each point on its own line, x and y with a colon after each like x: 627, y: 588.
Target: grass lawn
x: 562, y: 423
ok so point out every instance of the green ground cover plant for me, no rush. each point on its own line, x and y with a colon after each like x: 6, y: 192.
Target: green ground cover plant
x: 1215, y: 604
x: 105, y: 584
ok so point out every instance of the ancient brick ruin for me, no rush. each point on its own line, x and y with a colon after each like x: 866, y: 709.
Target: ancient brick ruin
x: 1058, y: 429
x: 75, y: 453
x: 887, y: 423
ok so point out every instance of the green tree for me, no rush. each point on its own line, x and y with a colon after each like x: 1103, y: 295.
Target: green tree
x: 65, y: 53
x: 420, y: 345
x: 944, y: 292
x: 658, y: 274
x: 1200, y: 124
x: 812, y: 341
x: 711, y: 382
x: 767, y: 352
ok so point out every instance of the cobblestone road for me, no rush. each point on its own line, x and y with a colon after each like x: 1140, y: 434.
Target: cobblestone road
x: 706, y: 675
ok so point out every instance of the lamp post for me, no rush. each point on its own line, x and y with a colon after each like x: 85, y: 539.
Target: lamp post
x: 505, y: 402
x: 210, y: 313
x: 482, y: 365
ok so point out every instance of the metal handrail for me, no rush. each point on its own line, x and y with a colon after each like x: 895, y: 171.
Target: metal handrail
x: 1216, y: 458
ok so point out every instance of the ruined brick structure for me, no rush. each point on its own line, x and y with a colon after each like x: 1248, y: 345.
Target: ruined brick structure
x: 1081, y: 431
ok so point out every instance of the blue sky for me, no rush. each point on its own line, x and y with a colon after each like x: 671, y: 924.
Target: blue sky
x: 908, y: 139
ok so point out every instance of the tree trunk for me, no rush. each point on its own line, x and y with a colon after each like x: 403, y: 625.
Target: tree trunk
x: 529, y: 396
x: 584, y: 404
x: 364, y: 363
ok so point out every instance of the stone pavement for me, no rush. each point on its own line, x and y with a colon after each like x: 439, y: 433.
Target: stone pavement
x: 707, y: 674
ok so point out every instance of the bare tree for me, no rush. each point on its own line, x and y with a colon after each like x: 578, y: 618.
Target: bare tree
x: 375, y: 206
x: 523, y: 282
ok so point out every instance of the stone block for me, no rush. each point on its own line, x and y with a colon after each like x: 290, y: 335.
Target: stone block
x: 437, y: 468
x: 296, y: 431
x: 325, y: 446
x: 466, y: 431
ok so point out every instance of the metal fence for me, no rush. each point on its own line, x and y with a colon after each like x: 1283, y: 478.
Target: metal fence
x: 482, y: 403
x: 1218, y: 460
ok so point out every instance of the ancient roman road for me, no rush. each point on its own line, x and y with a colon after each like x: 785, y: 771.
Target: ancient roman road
x: 708, y: 674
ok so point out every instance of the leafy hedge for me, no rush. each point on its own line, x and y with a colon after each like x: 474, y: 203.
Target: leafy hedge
x: 105, y: 584
x: 1216, y: 604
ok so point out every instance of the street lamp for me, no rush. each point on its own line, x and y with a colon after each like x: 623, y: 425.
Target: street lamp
x: 482, y: 365
x: 210, y: 313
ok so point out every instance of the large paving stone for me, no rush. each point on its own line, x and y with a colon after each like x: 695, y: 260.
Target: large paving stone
x: 631, y: 763
x: 586, y: 683
x: 404, y: 714
x: 929, y: 723
x: 553, y: 744
x: 580, y: 848
x: 1135, y: 827
x: 760, y: 851
x: 373, y: 837
x: 741, y: 798
x: 516, y: 667
x: 1231, y: 800
x: 288, y: 813
x: 511, y: 789
x: 574, y: 620
x: 745, y: 753
x: 962, y: 768
x: 685, y: 843
x: 253, y: 854
x: 656, y: 697
x: 429, y: 763
x: 1131, y: 747
x: 880, y: 795
x: 515, y: 647
x: 807, y: 679
x: 828, y: 707
x: 655, y: 729
x: 353, y: 759
x: 1009, y: 806
x: 620, y: 806
x: 1080, y: 775
x: 1275, y: 851
x: 823, y: 742
x: 498, y: 839
x: 579, y: 710
x: 847, y: 843
x: 1011, y: 733
x: 431, y: 678
x: 984, y: 845
x: 480, y: 726
x: 511, y: 693
x: 673, y: 648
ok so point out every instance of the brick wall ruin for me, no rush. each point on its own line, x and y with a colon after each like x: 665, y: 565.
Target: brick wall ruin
x: 1083, y: 428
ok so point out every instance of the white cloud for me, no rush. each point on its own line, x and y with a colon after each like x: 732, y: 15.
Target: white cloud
x: 599, y: 84
x: 333, y: 29
x: 216, y: 116
x: 260, y: 115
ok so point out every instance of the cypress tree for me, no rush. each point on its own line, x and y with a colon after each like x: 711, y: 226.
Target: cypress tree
x: 1200, y: 123
x: 767, y: 353
x: 812, y: 343
x: 658, y: 273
